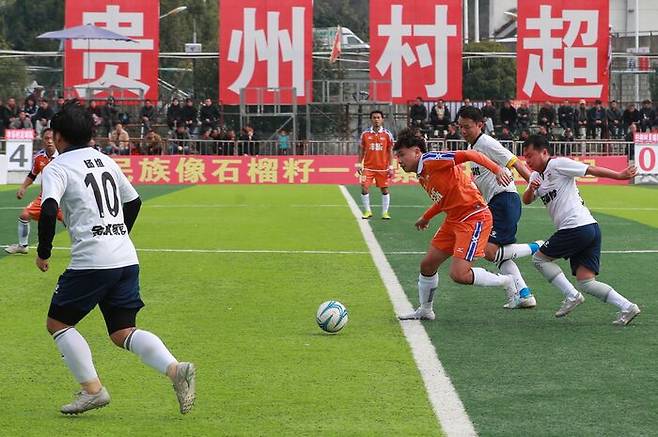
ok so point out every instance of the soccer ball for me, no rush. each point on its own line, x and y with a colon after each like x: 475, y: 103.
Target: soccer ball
x: 331, y: 316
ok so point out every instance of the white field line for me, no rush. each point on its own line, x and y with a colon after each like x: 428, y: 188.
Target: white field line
x: 447, y: 406
x: 307, y: 252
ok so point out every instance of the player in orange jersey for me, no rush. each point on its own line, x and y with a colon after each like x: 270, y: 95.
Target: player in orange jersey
x: 376, y: 163
x: 466, y: 228
x: 33, y: 209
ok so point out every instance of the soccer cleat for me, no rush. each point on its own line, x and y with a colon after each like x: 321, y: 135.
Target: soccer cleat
x: 535, y: 245
x: 185, y: 386
x: 626, y: 317
x: 16, y: 248
x: 386, y: 216
x: 419, y: 314
x: 366, y: 215
x: 528, y: 302
x: 568, y: 305
x: 513, y: 299
x: 85, y: 402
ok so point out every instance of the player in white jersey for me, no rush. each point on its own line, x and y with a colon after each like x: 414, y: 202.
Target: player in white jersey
x: 503, y: 201
x: 578, y: 237
x: 100, y: 207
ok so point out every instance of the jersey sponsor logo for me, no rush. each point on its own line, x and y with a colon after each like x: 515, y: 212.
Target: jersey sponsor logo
x: 546, y: 198
x: 376, y: 147
x: 475, y: 171
x: 110, y: 229
x: 435, y: 195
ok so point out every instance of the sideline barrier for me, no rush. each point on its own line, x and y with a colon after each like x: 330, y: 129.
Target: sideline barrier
x: 297, y: 169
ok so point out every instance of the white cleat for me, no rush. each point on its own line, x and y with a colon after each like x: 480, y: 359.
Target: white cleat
x: 513, y: 299
x: 527, y: 302
x: 185, y: 386
x: 85, y: 402
x: 568, y: 305
x: 626, y: 317
x: 16, y: 248
x: 419, y: 314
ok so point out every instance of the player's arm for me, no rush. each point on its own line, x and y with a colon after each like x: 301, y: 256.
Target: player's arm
x: 424, y: 221
x: 503, y: 176
x: 133, y: 202
x: 131, y: 211
x: 47, y: 225
x: 362, y: 153
x: 521, y: 168
x: 603, y: 172
x: 29, y: 180
x: 530, y: 193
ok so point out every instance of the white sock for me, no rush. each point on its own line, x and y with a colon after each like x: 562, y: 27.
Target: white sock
x: 512, y: 251
x: 509, y: 267
x: 606, y: 293
x: 483, y: 278
x: 76, y: 354
x: 150, y: 349
x: 23, y: 232
x: 427, y: 286
x: 618, y: 300
x: 566, y: 287
x: 386, y: 201
x: 365, y: 201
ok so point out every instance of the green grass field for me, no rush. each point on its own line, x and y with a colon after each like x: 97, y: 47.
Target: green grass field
x: 245, y: 316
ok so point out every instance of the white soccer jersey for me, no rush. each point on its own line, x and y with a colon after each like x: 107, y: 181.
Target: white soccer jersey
x: 560, y: 194
x: 483, y: 178
x: 91, y: 189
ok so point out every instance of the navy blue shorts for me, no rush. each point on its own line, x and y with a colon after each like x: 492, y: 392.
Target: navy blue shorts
x: 506, y: 211
x: 581, y: 246
x: 79, y: 291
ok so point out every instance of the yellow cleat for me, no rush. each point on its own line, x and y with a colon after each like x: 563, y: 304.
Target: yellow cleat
x: 366, y: 215
x: 385, y: 216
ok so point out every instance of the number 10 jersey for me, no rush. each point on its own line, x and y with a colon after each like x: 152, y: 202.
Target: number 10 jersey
x: 91, y: 189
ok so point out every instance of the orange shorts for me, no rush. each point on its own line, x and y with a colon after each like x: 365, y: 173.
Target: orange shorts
x: 379, y: 177
x: 34, y: 210
x: 466, y: 239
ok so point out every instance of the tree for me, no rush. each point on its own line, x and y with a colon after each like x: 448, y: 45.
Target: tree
x: 488, y: 78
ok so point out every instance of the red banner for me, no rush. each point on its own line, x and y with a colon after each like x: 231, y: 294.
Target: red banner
x: 265, y: 50
x: 129, y: 68
x: 415, y: 50
x: 562, y: 50
x: 308, y: 169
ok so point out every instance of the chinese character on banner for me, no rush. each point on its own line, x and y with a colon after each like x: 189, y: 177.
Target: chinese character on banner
x: 125, y: 164
x: 265, y: 44
x: 263, y: 170
x: 130, y: 68
x: 228, y: 170
x: 417, y: 46
x: 297, y: 168
x: 154, y: 171
x: 562, y: 50
x: 191, y: 170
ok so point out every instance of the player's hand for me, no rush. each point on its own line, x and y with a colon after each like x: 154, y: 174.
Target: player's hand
x: 534, y: 184
x: 390, y: 172
x: 359, y: 169
x: 20, y: 193
x: 422, y: 224
x: 628, y: 173
x: 504, y: 177
x: 42, y: 264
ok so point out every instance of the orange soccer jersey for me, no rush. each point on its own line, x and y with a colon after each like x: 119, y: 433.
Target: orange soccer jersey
x: 468, y: 222
x: 41, y: 160
x: 376, y: 148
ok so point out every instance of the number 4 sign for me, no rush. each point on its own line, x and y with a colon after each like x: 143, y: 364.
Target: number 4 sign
x: 19, y: 149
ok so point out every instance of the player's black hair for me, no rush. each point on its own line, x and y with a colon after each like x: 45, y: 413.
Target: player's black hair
x: 376, y: 111
x: 410, y: 138
x: 43, y: 132
x: 539, y: 143
x: 470, y: 112
x: 74, y: 123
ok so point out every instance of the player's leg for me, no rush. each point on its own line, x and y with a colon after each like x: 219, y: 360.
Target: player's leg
x: 428, y: 281
x: 74, y: 297
x: 119, y: 308
x: 585, y: 266
x: 501, y: 248
x: 23, y: 233
x: 386, y: 196
x: 562, y: 244
x: 470, y: 241
x: 366, y: 179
